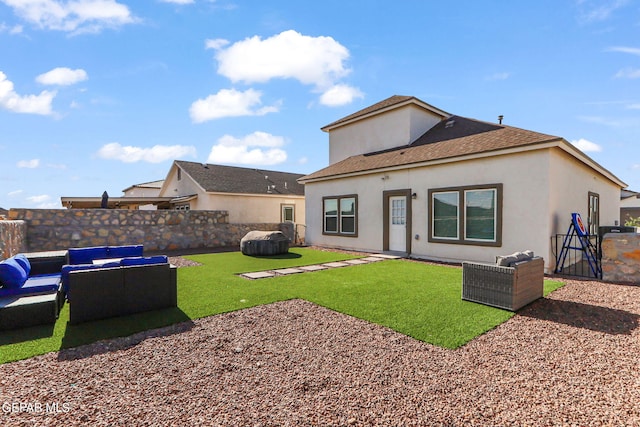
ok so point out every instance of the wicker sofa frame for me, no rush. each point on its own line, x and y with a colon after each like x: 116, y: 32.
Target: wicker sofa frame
x: 118, y: 291
x: 509, y: 288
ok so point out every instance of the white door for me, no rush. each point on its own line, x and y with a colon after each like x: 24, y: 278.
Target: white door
x: 398, y: 223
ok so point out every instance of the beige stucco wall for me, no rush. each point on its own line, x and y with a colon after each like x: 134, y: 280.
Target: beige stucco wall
x: 535, y: 206
x: 630, y: 202
x: 183, y: 187
x: 571, y: 182
x: 392, y: 129
x: 245, y: 208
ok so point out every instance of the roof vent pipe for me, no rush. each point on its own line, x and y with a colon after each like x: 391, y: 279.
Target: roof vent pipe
x: 500, y: 117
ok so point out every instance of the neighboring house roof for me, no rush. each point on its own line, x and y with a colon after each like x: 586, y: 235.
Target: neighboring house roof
x: 625, y: 194
x: 452, y: 139
x: 113, y: 202
x: 392, y: 102
x: 231, y: 179
x: 153, y: 184
x: 3, y: 211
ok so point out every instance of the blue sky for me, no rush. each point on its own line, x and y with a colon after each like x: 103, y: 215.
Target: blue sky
x: 98, y: 95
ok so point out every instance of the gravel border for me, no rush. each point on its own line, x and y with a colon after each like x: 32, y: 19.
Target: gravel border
x: 570, y: 359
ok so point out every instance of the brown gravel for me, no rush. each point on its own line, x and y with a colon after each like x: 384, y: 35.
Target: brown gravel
x: 571, y: 359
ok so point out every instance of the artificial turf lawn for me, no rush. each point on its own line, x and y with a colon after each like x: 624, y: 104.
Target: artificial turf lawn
x: 417, y: 299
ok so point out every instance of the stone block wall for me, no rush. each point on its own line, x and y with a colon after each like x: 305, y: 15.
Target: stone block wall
x: 621, y: 257
x: 12, y: 238
x: 161, y: 230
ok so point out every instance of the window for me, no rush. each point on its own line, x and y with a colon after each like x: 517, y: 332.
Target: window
x: 593, y: 219
x: 398, y: 211
x: 288, y: 213
x: 445, y: 215
x: 466, y: 215
x: 480, y: 214
x: 179, y: 174
x: 182, y: 207
x: 340, y: 215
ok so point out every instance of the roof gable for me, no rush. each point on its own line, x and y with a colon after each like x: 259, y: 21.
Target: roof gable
x: 231, y: 179
x: 393, y: 102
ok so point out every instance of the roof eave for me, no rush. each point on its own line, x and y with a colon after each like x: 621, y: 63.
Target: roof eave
x: 555, y: 142
x: 489, y: 153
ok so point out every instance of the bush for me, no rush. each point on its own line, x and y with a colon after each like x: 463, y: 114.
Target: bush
x: 632, y: 222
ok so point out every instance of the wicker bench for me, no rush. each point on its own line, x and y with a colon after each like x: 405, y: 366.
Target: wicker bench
x: 509, y: 288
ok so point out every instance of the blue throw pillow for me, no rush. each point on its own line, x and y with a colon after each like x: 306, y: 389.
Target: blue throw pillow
x: 11, y: 274
x: 24, y: 263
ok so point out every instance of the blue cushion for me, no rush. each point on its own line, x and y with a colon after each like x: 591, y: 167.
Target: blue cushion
x: 24, y: 263
x: 50, y: 280
x: 87, y: 255
x: 66, y: 269
x: 45, y: 284
x: 124, y: 251
x: 11, y: 274
x: 159, y: 259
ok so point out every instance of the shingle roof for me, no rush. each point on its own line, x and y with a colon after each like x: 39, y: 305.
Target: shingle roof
x: 231, y: 179
x: 152, y: 184
x: 386, y: 103
x: 452, y: 137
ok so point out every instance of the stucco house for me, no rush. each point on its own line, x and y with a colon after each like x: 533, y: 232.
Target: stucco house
x: 407, y: 177
x: 629, y: 205
x: 249, y: 195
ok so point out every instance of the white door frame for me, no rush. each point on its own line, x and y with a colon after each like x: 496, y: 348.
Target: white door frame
x: 387, y: 214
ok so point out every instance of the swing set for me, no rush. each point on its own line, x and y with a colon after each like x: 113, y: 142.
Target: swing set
x: 579, y: 239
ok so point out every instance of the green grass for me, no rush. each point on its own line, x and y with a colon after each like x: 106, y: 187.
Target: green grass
x: 418, y: 299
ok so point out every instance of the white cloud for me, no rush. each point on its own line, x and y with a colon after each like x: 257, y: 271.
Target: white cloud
x: 39, y: 199
x: 62, y: 76
x: 28, y: 104
x: 340, y: 94
x: 625, y: 49
x: 636, y: 166
x: 586, y: 146
x: 177, y: 1
x: 29, y: 164
x: 499, y: 76
x: 601, y: 121
x: 14, y: 193
x: 16, y: 29
x: 229, y: 103
x: 155, y: 154
x: 258, y: 148
x: 315, y: 61
x: 628, y: 73
x: 595, y: 11
x: 77, y: 16
x: 303, y: 160
x: 215, y: 43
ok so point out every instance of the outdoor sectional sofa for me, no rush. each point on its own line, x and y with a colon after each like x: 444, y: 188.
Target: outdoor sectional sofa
x: 98, y: 282
x: 513, y: 282
x: 103, y: 282
x: 30, y: 289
